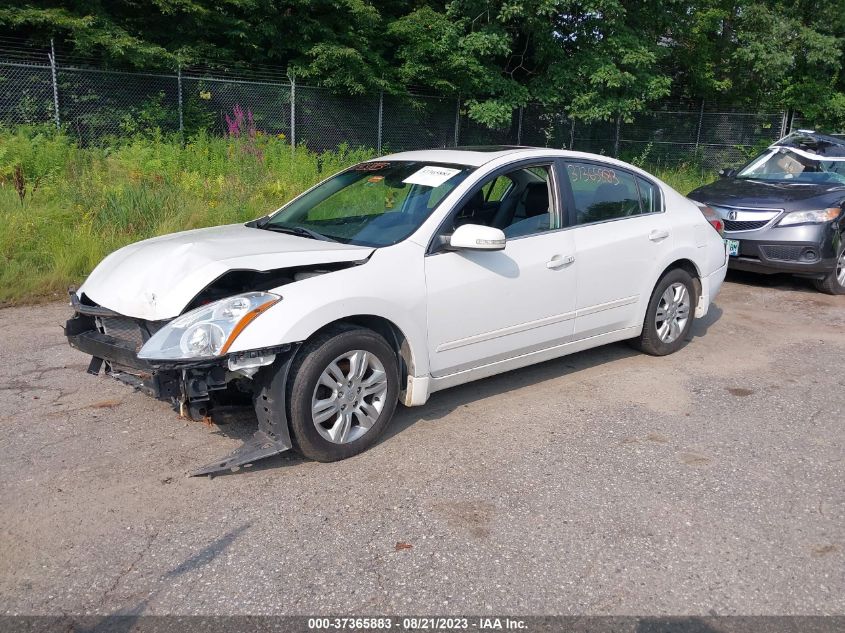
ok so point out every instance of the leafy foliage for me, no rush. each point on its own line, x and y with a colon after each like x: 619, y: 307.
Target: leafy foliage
x: 599, y: 59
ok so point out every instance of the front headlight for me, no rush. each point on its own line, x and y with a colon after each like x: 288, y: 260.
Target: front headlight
x: 810, y: 217
x: 207, y: 331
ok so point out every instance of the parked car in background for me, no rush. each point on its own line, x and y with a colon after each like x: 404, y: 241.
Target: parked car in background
x: 783, y: 211
x: 396, y: 278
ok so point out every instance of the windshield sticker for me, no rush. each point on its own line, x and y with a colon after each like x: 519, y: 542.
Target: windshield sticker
x: 593, y: 174
x: 431, y: 176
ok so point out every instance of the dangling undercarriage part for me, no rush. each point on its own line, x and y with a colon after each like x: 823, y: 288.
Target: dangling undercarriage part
x: 192, y: 387
x: 273, y: 434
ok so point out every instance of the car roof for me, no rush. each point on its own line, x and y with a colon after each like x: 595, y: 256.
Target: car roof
x: 474, y: 155
x: 478, y: 155
x: 821, y: 145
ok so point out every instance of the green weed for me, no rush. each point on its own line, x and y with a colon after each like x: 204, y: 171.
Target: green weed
x: 81, y: 203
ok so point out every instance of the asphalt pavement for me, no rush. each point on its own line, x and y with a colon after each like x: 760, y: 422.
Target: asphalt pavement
x: 607, y: 482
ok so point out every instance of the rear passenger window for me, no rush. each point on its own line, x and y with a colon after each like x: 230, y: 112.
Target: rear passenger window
x: 603, y: 193
x: 649, y: 197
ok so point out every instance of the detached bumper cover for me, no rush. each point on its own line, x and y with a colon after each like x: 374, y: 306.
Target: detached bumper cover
x: 188, y: 380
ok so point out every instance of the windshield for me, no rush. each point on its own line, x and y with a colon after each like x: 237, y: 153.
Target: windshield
x: 371, y: 204
x: 787, y: 165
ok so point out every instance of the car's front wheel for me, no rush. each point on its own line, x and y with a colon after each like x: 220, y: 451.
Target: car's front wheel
x: 669, y: 315
x: 343, y: 392
x: 834, y: 282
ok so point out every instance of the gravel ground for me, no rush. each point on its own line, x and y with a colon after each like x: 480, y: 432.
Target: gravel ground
x: 708, y: 482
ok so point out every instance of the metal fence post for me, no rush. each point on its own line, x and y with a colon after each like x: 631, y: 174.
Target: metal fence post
x: 616, y: 140
x: 519, y: 128
x: 292, y: 79
x: 700, y: 120
x: 52, y: 57
x: 572, y: 134
x: 380, y: 119
x: 458, y: 122
x: 179, y: 96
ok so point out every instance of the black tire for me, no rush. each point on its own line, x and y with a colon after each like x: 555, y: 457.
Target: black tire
x: 310, y: 362
x: 830, y: 284
x: 649, y: 341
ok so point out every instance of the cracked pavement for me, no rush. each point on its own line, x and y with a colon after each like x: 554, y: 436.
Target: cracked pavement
x: 607, y: 482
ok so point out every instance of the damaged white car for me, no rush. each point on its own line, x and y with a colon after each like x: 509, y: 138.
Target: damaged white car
x: 394, y: 279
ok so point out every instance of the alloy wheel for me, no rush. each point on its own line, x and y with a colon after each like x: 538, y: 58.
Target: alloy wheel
x: 840, y: 269
x: 349, y: 396
x: 673, y: 312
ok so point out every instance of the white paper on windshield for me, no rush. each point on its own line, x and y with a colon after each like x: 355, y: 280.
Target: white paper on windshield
x: 431, y: 176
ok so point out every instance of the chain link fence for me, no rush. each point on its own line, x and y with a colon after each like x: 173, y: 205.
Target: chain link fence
x: 26, y: 94
x: 94, y: 104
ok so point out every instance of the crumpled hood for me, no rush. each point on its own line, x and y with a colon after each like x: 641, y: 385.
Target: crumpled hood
x: 155, y: 279
x: 776, y: 195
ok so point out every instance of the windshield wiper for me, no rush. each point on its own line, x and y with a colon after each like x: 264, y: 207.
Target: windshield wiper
x: 297, y: 230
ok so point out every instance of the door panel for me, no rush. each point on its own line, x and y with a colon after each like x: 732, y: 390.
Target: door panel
x: 487, y: 306
x: 620, y: 233
x: 616, y: 269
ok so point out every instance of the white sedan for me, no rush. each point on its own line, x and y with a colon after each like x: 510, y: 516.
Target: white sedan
x: 396, y: 278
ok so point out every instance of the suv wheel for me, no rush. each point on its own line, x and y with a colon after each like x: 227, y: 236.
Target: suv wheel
x: 669, y: 315
x: 834, y: 282
x: 342, y: 394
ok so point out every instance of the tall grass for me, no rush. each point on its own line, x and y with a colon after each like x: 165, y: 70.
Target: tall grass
x: 683, y: 178
x: 64, y: 207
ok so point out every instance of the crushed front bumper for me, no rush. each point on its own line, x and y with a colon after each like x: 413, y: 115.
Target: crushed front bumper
x: 189, y: 383
x: 163, y: 380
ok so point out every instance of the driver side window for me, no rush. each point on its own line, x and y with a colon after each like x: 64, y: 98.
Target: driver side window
x: 518, y: 202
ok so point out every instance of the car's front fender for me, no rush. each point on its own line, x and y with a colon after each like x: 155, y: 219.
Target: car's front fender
x: 390, y: 286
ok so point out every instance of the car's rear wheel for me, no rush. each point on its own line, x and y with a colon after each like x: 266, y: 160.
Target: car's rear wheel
x: 834, y: 282
x: 669, y: 315
x: 343, y: 392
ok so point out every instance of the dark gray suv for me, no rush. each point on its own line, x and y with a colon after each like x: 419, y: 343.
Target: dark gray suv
x: 783, y: 211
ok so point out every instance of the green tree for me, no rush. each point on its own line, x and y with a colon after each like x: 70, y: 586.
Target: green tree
x: 595, y: 59
x: 764, y: 54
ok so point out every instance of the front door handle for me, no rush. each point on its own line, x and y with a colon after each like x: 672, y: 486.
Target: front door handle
x: 657, y: 235
x: 559, y: 261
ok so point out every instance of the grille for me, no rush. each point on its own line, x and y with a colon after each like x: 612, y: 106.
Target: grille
x: 735, y: 225
x: 124, y: 329
x: 782, y: 252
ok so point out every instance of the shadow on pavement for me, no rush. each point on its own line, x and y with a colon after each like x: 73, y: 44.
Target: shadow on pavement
x: 442, y: 403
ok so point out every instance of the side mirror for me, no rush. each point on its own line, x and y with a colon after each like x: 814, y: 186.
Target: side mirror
x: 475, y: 237
x: 727, y: 172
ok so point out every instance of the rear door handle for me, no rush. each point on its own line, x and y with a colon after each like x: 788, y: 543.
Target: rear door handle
x: 657, y: 235
x: 559, y: 261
